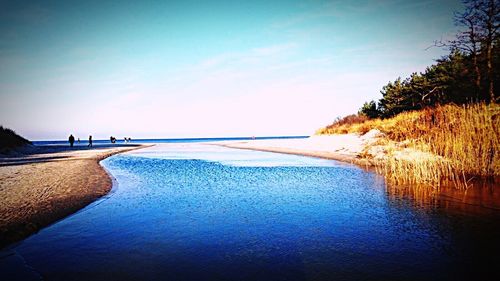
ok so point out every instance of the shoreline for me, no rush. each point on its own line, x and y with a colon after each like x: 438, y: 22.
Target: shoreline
x: 345, y: 148
x: 309, y: 153
x: 351, y: 148
x: 42, y: 185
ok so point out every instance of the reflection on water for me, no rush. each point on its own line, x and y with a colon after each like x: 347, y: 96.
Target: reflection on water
x: 468, y: 220
x: 481, y: 198
x: 199, y: 212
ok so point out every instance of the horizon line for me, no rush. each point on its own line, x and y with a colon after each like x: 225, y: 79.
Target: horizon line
x: 179, y: 138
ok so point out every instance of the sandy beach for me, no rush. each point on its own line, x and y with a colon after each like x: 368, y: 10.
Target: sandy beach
x: 44, y: 184
x: 346, y: 148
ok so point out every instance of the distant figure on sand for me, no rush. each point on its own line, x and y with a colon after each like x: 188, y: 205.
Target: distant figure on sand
x: 90, y: 141
x: 71, y: 140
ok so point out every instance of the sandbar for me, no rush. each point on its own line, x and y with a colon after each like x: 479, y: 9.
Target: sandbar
x: 345, y: 148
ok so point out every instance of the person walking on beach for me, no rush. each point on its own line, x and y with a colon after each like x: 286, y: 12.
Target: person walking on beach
x: 90, y: 141
x: 71, y: 140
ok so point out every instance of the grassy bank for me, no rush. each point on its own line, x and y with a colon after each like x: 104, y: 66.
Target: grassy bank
x: 443, y: 144
x: 10, y: 140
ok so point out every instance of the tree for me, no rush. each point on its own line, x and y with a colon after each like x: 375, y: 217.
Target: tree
x: 466, y: 75
x: 449, y: 80
x: 370, y: 110
x: 479, y: 32
x: 401, y: 95
x: 468, y: 40
x: 392, y: 99
x: 452, y: 76
x: 489, y: 24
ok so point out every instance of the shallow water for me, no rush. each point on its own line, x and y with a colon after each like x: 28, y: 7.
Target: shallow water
x: 202, y: 212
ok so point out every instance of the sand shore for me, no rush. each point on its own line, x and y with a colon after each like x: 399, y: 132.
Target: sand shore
x: 41, y: 185
x: 346, y: 148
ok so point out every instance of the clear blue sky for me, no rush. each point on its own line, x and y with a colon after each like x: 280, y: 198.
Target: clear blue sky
x: 205, y: 68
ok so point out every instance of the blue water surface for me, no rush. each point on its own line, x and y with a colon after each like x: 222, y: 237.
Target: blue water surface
x: 203, y: 212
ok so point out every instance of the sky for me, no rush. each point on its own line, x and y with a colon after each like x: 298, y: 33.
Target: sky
x: 168, y: 69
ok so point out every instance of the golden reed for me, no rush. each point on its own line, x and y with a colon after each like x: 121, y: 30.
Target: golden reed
x: 458, y: 143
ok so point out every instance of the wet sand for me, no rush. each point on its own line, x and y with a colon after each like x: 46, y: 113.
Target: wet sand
x: 42, y: 185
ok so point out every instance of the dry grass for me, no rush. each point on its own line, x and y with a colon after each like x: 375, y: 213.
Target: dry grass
x: 446, y: 143
x: 341, y: 125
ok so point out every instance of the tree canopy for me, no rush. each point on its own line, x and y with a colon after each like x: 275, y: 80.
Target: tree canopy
x: 468, y: 74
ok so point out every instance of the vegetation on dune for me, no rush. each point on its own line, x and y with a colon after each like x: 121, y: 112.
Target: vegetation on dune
x: 344, y: 125
x: 442, y: 124
x: 9, y: 139
x: 465, y: 140
x: 434, y: 145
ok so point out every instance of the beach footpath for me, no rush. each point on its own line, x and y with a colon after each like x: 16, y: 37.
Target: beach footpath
x: 41, y: 185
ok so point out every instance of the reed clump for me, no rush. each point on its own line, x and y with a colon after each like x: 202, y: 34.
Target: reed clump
x: 448, y: 143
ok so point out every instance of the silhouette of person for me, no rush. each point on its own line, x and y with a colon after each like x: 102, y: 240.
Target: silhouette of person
x: 90, y: 141
x: 71, y: 140
x: 78, y: 140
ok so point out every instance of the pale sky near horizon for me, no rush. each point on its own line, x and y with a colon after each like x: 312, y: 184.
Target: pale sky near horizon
x: 161, y: 69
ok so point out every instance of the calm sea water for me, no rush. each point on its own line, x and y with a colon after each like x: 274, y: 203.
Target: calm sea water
x: 202, y: 212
